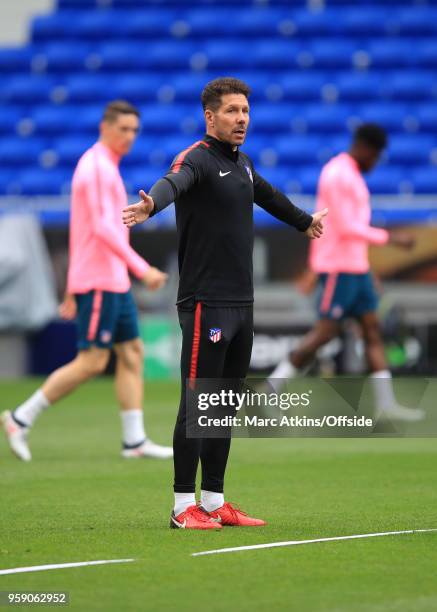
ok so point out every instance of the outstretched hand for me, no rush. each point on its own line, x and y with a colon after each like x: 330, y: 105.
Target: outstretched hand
x: 68, y: 309
x: 139, y: 212
x: 315, y: 230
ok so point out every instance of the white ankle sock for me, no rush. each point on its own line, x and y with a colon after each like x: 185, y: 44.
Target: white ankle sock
x: 383, y: 389
x: 28, y: 411
x: 182, y: 501
x: 284, y: 370
x: 211, y: 500
x: 132, y: 423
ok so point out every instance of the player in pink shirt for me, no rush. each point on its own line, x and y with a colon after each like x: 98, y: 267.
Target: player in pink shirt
x: 341, y: 261
x: 98, y: 292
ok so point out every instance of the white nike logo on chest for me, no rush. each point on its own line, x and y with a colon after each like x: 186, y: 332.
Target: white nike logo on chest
x: 224, y: 173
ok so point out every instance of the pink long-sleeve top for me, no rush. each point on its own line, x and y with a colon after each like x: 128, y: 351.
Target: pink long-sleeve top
x: 100, y: 253
x: 345, y: 243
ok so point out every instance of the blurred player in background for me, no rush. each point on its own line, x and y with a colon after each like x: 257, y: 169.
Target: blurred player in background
x: 98, y: 292
x: 341, y: 260
x: 214, y: 186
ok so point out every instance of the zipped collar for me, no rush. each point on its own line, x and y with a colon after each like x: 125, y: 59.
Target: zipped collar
x: 223, y: 147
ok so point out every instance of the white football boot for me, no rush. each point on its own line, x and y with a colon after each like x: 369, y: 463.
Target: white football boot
x: 16, y: 436
x: 148, y: 449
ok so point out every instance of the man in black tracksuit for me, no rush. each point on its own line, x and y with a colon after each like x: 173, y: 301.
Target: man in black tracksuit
x: 214, y: 186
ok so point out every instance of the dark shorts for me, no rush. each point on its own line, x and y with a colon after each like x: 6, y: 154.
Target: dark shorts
x: 105, y: 318
x: 342, y: 295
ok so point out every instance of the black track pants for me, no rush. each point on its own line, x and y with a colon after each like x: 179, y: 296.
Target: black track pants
x: 202, y: 358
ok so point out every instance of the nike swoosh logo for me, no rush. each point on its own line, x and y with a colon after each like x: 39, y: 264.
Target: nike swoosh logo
x: 216, y: 520
x: 180, y: 525
x: 224, y: 173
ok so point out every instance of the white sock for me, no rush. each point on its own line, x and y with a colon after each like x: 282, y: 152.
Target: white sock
x: 211, y: 500
x: 383, y: 389
x: 182, y: 501
x: 27, y: 412
x: 133, y: 426
x: 284, y: 370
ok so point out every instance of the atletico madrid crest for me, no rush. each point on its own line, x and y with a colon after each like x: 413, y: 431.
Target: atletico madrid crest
x: 215, y: 334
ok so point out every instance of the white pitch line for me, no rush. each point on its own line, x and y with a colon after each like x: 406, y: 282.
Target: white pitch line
x: 43, y: 568
x: 297, y: 542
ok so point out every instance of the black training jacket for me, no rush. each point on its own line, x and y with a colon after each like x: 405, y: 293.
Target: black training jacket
x: 214, y: 189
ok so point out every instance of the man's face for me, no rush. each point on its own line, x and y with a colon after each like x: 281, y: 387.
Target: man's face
x: 231, y: 120
x: 120, y: 134
x: 368, y: 157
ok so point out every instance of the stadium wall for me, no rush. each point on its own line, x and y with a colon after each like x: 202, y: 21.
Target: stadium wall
x: 15, y: 18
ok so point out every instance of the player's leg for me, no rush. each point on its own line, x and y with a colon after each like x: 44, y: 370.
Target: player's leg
x: 61, y: 382
x: 200, y: 358
x: 129, y: 381
x: 129, y: 388
x: 334, y: 292
x: 95, y: 314
x: 215, y: 451
x: 385, y: 401
x: 365, y: 311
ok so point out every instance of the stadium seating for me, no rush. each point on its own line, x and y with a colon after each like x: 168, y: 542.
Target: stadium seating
x: 316, y: 71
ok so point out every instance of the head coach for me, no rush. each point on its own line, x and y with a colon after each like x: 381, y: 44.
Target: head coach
x: 214, y: 186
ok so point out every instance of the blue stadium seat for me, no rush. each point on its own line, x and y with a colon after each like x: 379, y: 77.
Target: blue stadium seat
x: 9, y: 118
x: 386, y: 179
x: 272, y: 118
x: 6, y: 179
x: 131, y: 56
x: 308, y: 178
x: 48, y: 182
x: 16, y: 60
x: 256, y: 144
x: 93, y: 88
x: 391, y: 52
x: 425, y: 53
x: 70, y: 148
x: 66, y: 119
x: 228, y: 57
x: 173, y: 119
x: 142, y: 178
x: 424, y: 179
x: 333, y: 54
x: 17, y: 151
x: 283, y: 54
x: 359, y: 86
x: 410, y: 85
x: 54, y: 26
x: 415, y: 21
x: 363, y: 21
x: 411, y: 149
x: 390, y: 115
x: 427, y: 117
x: 326, y: 117
x: 64, y: 56
x: 302, y: 85
x: 300, y: 150
x: 26, y: 89
x: 315, y: 23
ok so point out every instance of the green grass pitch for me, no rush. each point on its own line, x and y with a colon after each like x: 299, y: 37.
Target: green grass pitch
x: 79, y: 501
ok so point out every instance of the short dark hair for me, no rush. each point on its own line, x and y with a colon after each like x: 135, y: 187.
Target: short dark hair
x: 214, y: 90
x: 371, y: 134
x: 119, y: 107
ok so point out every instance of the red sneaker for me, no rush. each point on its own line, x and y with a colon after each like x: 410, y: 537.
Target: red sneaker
x: 230, y: 516
x: 194, y: 517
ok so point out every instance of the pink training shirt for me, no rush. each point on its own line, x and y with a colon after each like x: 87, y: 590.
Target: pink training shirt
x: 347, y: 233
x: 100, y: 253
